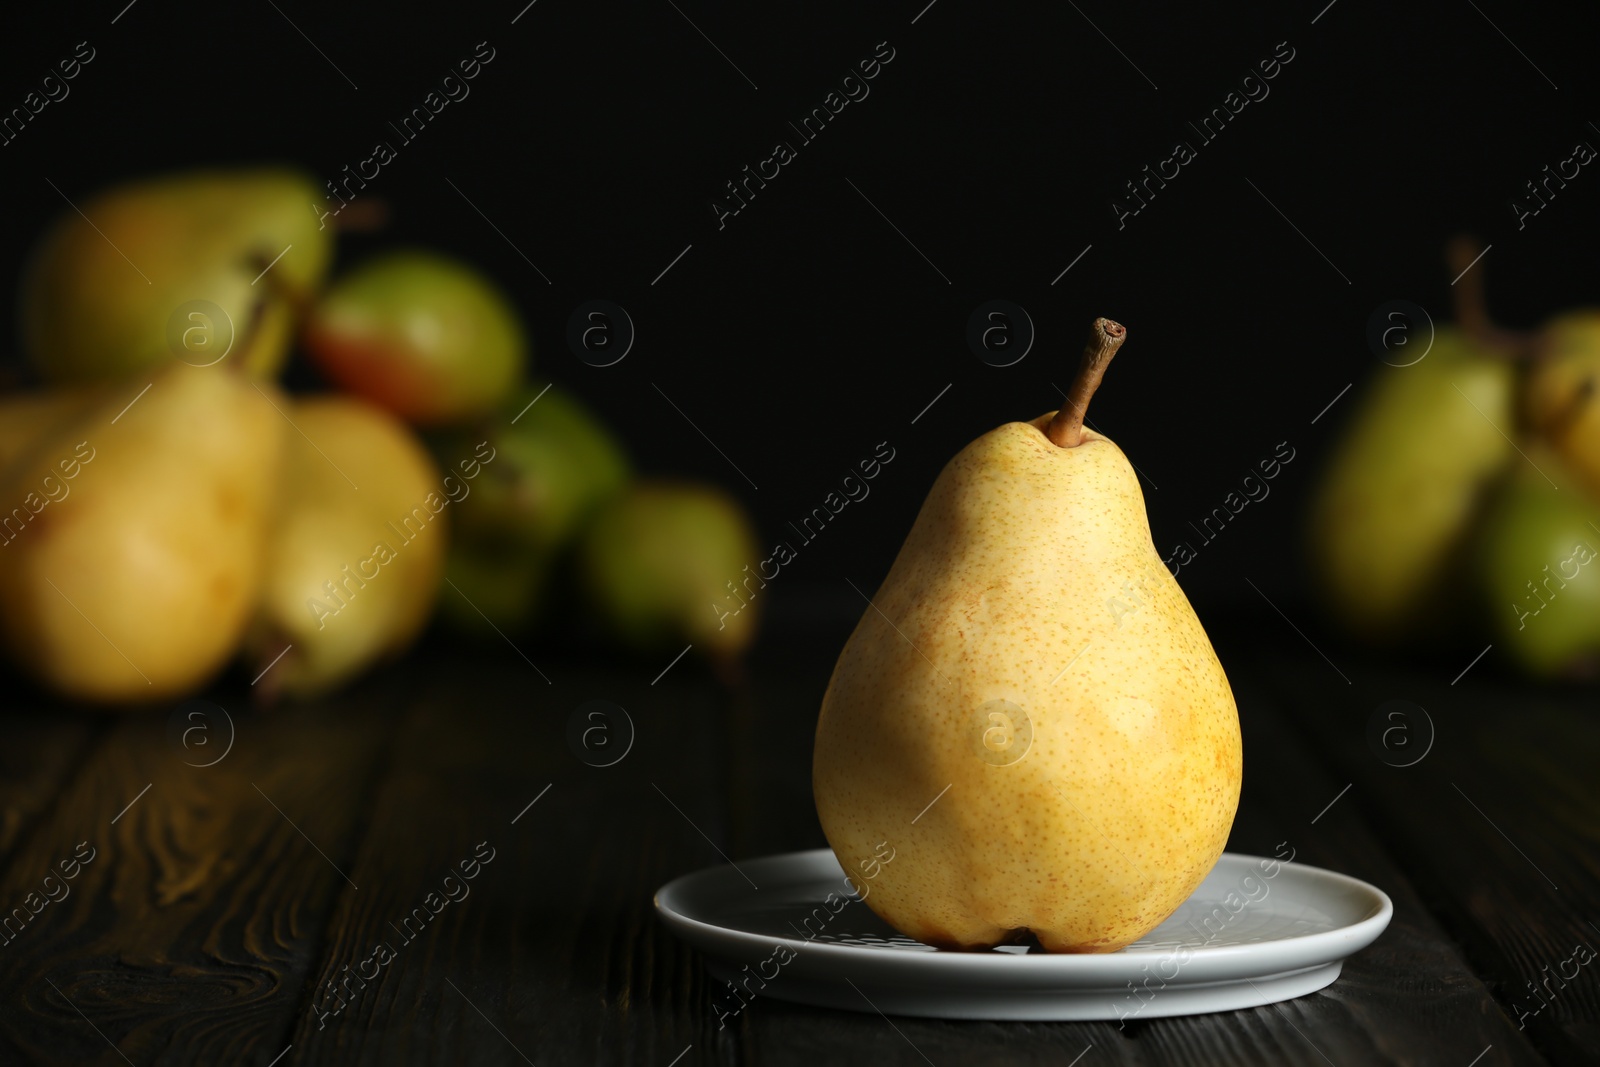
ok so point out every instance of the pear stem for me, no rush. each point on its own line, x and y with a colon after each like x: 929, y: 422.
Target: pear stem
x: 368, y: 216
x: 1105, y: 337
x: 1472, y: 310
x: 1461, y: 254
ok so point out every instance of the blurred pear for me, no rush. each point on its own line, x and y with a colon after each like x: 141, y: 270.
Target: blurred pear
x: 662, y: 563
x: 141, y: 273
x: 1397, y: 503
x: 1539, y: 569
x: 423, y: 335
x: 131, y: 554
x: 552, y: 467
x: 357, y: 547
x: 1561, y: 394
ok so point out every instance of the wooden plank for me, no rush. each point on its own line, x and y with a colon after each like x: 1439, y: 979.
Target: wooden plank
x: 41, y: 748
x: 1498, y: 825
x: 1410, y: 998
x: 552, y: 952
x: 191, y: 934
x: 186, y: 935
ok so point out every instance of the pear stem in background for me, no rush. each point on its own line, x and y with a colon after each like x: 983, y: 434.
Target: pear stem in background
x: 366, y: 216
x: 1105, y: 337
x: 1472, y: 310
x: 1462, y: 255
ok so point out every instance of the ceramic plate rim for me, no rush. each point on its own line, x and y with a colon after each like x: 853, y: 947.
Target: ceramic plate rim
x: 1323, y: 946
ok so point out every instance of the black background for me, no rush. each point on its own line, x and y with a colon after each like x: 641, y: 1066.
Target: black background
x: 808, y: 330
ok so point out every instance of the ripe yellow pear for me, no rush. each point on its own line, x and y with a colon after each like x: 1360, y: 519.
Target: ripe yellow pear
x: 1029, y: 714
x: 132, y: 535
x: 357, y: 549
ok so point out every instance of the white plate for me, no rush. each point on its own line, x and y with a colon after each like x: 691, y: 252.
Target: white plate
x: 1243, y: 939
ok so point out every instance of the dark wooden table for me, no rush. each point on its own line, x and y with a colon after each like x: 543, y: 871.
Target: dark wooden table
x: 255, y: 911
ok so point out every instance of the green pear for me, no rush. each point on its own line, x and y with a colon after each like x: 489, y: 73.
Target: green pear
x: 169, y: 267
x: 1396, y: 505
x: 131, y: 554
x: 1537, y: 560
x: 423, y: 335
x: 357, y: 549
x: 1029, y: 715
x: 554, y: 464
x: 663, y: 563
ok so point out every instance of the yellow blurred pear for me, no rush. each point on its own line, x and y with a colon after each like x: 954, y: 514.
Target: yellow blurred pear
x: 132, y: 538
x: 1563, y: 392
x: 357, y: 548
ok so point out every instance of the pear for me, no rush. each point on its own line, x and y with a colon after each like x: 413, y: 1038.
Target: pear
x: 132, y: 554
x: 1397, y: 503
x: 1029, y: 713
x: 1539, y: 571
x: 554, y: 464
x: 421, y: 334
x: 139, y: 275
x: 357, y: 549
x: 662, y: 563
x: 1561, y: 399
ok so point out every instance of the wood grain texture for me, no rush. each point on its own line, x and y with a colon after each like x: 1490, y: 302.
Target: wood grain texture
x: 555, y: 955
x: 1499, y: 827
x: 187, y: 936
x: 41, y: 749
x: 207, y: 929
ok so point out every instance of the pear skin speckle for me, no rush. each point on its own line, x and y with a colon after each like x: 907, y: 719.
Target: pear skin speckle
x: 1045, y: 666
